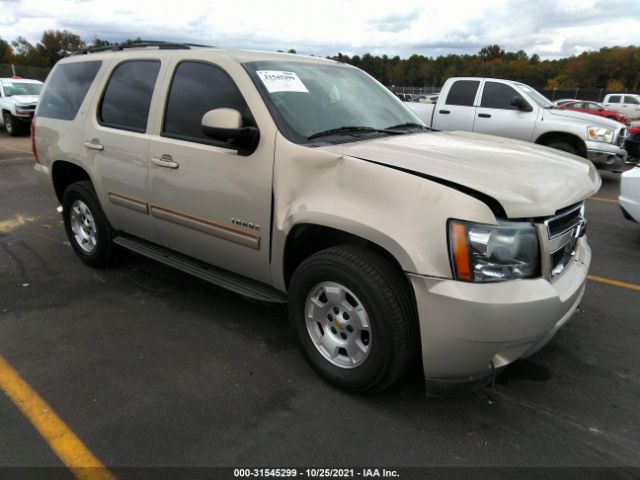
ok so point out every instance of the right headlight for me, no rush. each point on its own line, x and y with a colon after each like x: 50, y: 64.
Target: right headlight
x: 493, y: 253
x: 601, y: 134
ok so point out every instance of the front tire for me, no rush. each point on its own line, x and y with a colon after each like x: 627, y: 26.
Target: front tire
x: 10, y: 124
x: 355, y: 318
x: 87, y: 227
x: 565, y: 147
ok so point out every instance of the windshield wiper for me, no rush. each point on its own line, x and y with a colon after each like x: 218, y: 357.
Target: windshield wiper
x: 409, y: 125
x: 350, y: 130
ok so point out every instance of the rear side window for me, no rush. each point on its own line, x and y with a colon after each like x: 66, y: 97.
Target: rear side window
x: 463, y: 92
x: 126, y: 100
x: 67, y: 88
x: 631, y: 100
x: 614, y: 99
x: 499, y: 95
x: 197, y: 88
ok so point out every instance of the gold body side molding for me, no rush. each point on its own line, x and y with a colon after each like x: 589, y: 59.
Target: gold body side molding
x: 220, y: 230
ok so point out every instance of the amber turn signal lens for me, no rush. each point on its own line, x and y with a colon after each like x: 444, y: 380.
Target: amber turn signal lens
x: 460, y: 244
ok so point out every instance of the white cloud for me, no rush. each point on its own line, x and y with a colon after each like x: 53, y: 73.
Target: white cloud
x: 402, y: 27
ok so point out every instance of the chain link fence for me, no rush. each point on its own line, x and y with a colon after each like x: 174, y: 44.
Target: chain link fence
x: 24, y: 71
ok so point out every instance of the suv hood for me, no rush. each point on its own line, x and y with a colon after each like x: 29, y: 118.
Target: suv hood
x: 24, y: 98
x: 528, y: 180
x: 588, y: 119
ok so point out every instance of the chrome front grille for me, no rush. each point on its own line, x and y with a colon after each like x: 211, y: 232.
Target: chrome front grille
x: 563, y: 231
x: 564, y: 221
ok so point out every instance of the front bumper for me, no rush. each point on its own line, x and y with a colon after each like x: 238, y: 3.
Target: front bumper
x: 607, y: 156
x: 469, y: 329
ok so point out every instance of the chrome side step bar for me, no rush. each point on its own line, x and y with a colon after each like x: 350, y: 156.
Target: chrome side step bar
x: 217, y: 276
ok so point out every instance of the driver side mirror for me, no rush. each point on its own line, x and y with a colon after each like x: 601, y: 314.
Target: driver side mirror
x: 521, y: 104
x: 225, y: 125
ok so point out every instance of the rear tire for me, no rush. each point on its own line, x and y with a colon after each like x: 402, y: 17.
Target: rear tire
x: 355, y: 317
x: 87, y: 227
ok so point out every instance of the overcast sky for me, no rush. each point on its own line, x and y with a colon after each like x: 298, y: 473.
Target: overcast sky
x: 551, y: 28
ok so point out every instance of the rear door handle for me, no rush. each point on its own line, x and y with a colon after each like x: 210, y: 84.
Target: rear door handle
x: 94, y: 144
x: 484, y: 115
x: 444, y: 112
x: 165, y: 161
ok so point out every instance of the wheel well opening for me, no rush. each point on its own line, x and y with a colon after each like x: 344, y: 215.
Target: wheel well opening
x: 305, y: 240
x: 557, y: 137
x: 64, y: 174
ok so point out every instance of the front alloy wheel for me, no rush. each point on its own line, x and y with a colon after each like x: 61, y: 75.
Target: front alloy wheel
x: 355, y: 318
x: 338, y: 324
x: 10, y: 124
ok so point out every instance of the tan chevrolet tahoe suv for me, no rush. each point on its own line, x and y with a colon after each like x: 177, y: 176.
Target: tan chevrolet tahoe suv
x: 296, y: 179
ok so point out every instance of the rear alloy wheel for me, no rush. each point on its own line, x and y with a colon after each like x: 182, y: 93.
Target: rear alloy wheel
x: 88, y: 229
x: 355, y: 317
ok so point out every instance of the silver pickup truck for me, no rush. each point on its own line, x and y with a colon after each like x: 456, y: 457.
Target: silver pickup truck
x: 515, y: 110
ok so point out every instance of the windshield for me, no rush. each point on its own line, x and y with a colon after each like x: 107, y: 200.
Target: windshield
x: 21, y: 88
x: 332, y: 103
x: 536, y: 96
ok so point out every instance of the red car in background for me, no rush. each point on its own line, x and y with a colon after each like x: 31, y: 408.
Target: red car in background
x: 593, y: 108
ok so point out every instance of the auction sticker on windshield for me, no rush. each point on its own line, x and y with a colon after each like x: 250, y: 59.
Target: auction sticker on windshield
x: 277, y: 81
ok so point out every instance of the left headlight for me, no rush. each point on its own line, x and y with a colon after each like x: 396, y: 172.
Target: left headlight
x: 601, y: 134
x: 493, y: 253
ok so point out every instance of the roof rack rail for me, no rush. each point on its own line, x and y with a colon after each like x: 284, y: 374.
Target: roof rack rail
x: 117, y: 47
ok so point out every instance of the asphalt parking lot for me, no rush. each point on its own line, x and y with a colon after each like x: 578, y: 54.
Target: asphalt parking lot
x: 152, y: 368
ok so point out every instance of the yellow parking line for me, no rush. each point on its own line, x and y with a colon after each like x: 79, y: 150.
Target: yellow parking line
x: 66, y: 445
x: 603, y: 199
x: 617, y: 283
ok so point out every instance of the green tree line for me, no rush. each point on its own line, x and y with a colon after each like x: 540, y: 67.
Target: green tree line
x: 611, y: 68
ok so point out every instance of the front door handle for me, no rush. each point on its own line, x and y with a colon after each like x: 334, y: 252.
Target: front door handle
x: 165, y: 161
x: 484, y: 115
x: 94, y: 144
x: 445, y: 112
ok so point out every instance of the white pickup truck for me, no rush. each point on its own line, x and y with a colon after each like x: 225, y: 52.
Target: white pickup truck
x: 18, y: 102
x: 511, y: 109
x: 627, y: 104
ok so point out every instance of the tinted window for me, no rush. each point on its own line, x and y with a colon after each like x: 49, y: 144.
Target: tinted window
x: 614, y: 99
x: 197, y: 88
x: 463, y: 92
x: 631, y: 100
x: 127, y: 98
x: 66, y: 89
x: 499, y: 95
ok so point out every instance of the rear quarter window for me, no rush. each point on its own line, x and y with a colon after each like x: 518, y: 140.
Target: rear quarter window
x: 463, y: 92
x: 66, y: 89
x: 127, y: 98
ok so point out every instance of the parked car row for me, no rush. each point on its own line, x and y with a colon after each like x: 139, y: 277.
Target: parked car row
x: 297, y: 179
